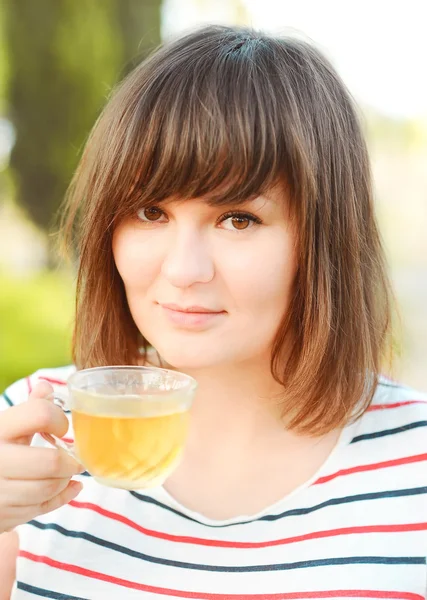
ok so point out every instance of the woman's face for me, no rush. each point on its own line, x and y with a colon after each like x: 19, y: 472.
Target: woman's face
x: 187, y: 255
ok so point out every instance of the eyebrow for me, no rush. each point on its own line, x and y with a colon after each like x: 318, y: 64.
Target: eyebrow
x: 265, y: 200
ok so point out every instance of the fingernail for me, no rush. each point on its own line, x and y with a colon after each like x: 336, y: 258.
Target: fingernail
x: 77, y: 486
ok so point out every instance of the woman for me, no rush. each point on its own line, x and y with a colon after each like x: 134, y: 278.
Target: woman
x: 226, y: 229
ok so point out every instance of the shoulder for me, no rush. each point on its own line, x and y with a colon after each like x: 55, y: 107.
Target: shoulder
x: 18, y: 391
x: 393, y: 398
x: 396, y: 412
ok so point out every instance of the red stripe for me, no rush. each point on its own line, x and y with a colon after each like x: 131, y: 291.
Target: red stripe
x: 51, y: 380
x: 394, y: 405
x: 67, y: 440
x: 209, y: 596
x: 29, y: 386
x: 373, y: 467
x: 230, y: 544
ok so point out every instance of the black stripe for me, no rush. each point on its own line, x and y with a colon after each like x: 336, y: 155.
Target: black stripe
x: 323, y: 562
x: 296, y: 511
x: 385, y: 432
x: 46, y: 593
x: 392, y: 385
x: 8, y: 400
x: 150, y: 500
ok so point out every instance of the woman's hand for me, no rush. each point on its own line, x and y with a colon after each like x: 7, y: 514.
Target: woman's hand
x: 33, y: 481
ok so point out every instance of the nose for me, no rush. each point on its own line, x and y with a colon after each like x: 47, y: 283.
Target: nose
x: 188, y: 259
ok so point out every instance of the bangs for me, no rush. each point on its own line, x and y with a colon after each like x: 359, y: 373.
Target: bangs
x: 201, y: 125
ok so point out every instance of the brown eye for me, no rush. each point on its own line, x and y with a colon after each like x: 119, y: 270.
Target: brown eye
x: 152, y: 213
x: 240, y: 222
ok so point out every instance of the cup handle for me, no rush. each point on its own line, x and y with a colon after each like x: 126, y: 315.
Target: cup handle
x: 52, y: 439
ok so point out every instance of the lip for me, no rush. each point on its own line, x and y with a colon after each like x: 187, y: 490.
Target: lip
x: 191, y: 317
x: 190, y: 309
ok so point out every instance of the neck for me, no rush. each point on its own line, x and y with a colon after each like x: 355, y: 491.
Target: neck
x: 239, y: 405
x: 238, y: 438
x: 242, y: 402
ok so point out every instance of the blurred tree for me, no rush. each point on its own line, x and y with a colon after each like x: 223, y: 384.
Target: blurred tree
x: 64, y: 57
x: 140, y: 32
x: 4, y: 64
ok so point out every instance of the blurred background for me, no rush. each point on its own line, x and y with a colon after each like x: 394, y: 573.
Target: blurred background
x: 59, y: 60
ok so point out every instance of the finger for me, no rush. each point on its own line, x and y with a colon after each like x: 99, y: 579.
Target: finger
x: 28, y: 418
x: 42, y: 389
x: 33, y: 463
x: 72, y: 490
x: 18, y: 515
x: 16, y: 493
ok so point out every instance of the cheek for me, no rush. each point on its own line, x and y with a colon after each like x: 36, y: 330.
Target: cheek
x: 272, y: 295
x: 262, y: 280
x: 134, y: 262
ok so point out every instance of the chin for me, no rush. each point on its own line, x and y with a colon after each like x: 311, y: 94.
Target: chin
x: 189, y: 361
x: 190, y: 356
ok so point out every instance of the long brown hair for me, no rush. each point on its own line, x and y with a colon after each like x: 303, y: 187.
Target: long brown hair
x: 225, y: 113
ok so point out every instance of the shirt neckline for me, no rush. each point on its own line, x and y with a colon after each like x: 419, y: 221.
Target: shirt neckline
x: 329, y: 465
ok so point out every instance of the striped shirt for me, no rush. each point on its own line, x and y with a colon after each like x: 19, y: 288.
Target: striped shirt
x: 356, y: 529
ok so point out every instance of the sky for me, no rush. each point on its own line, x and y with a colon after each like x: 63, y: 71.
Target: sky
x: 378, y: 46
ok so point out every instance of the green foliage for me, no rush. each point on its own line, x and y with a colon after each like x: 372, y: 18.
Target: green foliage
x: 63, y: 59
x: 4, y: 64
x: 35, y: 324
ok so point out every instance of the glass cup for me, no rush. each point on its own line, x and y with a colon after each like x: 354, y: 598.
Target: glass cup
x: 130, y: 423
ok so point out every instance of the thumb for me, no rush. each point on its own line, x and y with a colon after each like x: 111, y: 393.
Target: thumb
x: 42, y: 389
x: 21, y: 422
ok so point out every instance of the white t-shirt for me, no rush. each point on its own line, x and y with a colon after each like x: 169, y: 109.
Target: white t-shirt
x: 357, y: 529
